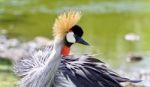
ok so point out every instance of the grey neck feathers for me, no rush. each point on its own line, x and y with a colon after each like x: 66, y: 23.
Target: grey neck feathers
x: 52, y: 64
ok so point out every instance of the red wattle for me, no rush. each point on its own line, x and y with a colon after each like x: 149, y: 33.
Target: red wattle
x: 65, y: 51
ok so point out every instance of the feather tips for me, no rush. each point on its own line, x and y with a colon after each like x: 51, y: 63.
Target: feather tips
x: 86, y: 71
x: 64, y: 22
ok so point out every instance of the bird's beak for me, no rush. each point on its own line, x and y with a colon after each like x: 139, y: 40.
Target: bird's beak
x: 81, y: 41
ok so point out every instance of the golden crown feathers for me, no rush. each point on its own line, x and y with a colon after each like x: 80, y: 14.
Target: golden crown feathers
x: 64, y: 22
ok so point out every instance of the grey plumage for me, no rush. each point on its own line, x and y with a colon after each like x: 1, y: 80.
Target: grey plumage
x: 73, y: 71
x: 39, y: 69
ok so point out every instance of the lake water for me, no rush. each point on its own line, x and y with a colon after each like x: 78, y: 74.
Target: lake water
x: 105, y: 26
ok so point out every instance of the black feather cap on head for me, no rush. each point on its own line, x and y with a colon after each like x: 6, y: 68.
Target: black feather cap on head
x: 77, y: 30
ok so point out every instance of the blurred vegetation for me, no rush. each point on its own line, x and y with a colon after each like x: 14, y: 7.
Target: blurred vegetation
x: 7, y: 77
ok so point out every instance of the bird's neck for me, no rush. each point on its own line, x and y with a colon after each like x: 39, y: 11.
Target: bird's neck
x: 65, y: 51
x: 60, y: 48
x: 56, y: 51
x: 52, y: 64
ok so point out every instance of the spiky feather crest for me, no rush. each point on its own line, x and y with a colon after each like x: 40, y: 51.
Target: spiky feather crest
x: 64, y: 22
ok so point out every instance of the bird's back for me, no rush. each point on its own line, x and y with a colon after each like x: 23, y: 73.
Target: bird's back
x: 86, y: 71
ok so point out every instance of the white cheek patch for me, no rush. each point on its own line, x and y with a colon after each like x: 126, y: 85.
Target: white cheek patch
x: 70, y: 37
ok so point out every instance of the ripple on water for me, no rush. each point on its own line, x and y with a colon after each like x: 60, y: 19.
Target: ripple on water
x: 108, y: 7
x: 102, y: 7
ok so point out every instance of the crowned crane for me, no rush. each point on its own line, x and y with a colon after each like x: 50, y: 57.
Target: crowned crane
x: 54, y: 67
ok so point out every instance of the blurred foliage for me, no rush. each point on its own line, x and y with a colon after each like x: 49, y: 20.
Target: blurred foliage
x: 7, y: 77
x: 5, y: 61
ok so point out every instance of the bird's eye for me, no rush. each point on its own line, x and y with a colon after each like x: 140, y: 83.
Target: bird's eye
x: 70, y: 37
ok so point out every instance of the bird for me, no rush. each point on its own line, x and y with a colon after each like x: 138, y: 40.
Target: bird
x: 54, y: 66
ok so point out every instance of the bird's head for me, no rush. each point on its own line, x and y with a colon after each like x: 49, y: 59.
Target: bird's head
x: 74, y: 36
x: 66, y: 29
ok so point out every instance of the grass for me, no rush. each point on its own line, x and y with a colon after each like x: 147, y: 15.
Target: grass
x: 7, y: 77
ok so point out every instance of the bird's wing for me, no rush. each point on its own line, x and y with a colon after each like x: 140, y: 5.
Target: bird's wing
x: 30, y: 68
x: 86, y: 71
x: 28, y: 63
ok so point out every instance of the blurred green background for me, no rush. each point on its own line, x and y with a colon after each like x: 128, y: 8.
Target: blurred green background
x: 105, y: 22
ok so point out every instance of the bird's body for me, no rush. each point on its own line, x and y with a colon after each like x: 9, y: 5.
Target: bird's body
x: 69, y: 71
x: 54, y: 67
